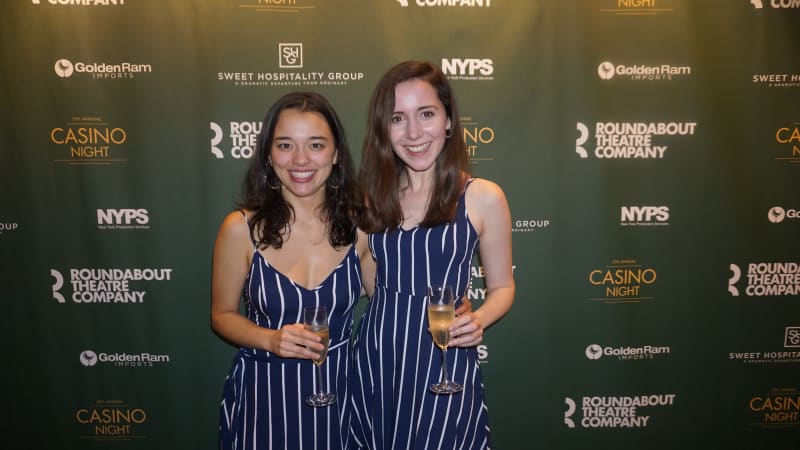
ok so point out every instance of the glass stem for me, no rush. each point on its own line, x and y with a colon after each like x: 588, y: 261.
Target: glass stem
x: 445, y: 374
x: 320, y: 381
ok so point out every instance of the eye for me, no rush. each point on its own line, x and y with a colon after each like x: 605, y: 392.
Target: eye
x: 318, y: 145
x: 427, y: 114
x: 397, y: 118
x: 282, y: 145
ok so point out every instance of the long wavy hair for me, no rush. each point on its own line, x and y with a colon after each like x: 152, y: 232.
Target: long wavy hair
x: 261, y: 189
x: 383, y: 174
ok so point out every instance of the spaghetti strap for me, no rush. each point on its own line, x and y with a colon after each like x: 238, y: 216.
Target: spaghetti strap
x: 247, y: 219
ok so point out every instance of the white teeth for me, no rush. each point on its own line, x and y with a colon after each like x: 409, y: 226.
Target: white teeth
x: 305, y: 174
x: 417, y: 148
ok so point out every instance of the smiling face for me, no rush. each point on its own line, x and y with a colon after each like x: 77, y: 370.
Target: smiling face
x: 419, y: 125
x: 303, y: 153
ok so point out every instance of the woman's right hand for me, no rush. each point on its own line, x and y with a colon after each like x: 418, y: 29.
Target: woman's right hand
x: 294, y: 341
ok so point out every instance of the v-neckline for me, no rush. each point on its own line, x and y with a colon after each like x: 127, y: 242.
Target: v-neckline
x: 295, y: 283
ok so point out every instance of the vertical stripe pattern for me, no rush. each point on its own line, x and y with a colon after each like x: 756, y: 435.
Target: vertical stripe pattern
x: 263, y: 399
x: 395, y: 359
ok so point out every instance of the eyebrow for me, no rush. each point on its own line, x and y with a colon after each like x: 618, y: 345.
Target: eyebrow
x: 287, y: 138
x: 419, y: 109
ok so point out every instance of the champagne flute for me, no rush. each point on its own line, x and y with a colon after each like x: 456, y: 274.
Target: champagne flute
x: 441, y: 313
x: 315, y: 320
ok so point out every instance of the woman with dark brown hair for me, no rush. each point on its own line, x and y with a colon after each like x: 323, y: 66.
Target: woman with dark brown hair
x: 294, y: 244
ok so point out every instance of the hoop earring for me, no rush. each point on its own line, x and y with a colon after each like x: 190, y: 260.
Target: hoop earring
x: 274, y: 188
x: 447, y: 133
x: 329, y: 183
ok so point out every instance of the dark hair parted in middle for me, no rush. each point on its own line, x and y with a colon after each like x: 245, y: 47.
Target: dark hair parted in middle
x: 261, y: 190
x: 383, y: 175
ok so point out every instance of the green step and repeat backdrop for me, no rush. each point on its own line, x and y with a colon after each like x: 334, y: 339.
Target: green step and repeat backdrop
x: 650, y: 152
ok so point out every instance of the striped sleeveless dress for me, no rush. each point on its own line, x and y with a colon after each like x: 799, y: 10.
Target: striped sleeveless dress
x: 263, y: 400
x: 395, y: 357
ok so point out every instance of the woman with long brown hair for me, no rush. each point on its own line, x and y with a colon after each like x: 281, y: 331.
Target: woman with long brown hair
x: 426, y: 217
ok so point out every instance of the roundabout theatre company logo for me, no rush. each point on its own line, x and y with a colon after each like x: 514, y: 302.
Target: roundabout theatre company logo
x: 777, y: 4
x: 771, y: 279
x: 629, y: 140
x: 614, y: 412
x: 106, y: 285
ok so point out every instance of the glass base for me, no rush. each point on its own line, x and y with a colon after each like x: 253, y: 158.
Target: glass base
x: 446, y: 387
x: 318, y: 400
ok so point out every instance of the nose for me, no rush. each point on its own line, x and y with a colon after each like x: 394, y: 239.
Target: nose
x: 413, y: 129
x: 300, y: 156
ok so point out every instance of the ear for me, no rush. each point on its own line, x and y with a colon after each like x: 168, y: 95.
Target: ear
x: 449, y: 124
x: 336, y: 156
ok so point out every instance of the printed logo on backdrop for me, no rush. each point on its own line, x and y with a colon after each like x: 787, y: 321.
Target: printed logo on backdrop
x: 471, y: 69
x: 111, y: 421
x: 623, y: 281
x: 290, y: 56
x: 615, y: 412
x: 635, y: 7
x: 773, y: 355
x: 105, y: 285
x: 483, y: 354
x: 478, y: 138
x: 777, y: 80
x: 594, y: 352
x: 778, y: 214
x: 241, y: 142
x: 765, y: 279
x: 89, y: 140
x: 65, y: 68
x: 123, y: 219
x: 81, y: 2
x: 476, y: 293
x: 278, y: 6
x: 644, y: 216
x: 529, y: 225
x: 778, y: 408
x: 608, y: 70
x: 629, y: 140
x: 89, y: 358
x: 789, y: 138
x: 776, y: 4
x: 8, y: 227
x: 446, y: 3
x: 283, y: 72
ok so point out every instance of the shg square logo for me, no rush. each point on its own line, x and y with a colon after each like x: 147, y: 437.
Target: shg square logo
x: 291, y: 56
x: 792, y: 337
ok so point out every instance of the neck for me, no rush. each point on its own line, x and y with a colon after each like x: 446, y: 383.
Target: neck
x: 417, y: 182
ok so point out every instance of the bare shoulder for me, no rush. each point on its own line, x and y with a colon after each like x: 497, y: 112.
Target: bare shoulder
x: 485, y: 196
x: 482, y: 189
x: 486, y: 203
x: 234, y: 229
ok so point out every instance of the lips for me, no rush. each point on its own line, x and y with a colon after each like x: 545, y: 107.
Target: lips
x: 301, y: 176
x: 418, y: 148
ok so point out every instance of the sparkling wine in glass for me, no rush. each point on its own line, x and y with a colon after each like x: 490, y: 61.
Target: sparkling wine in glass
x: 441, y: 313
x: 315, y: 319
